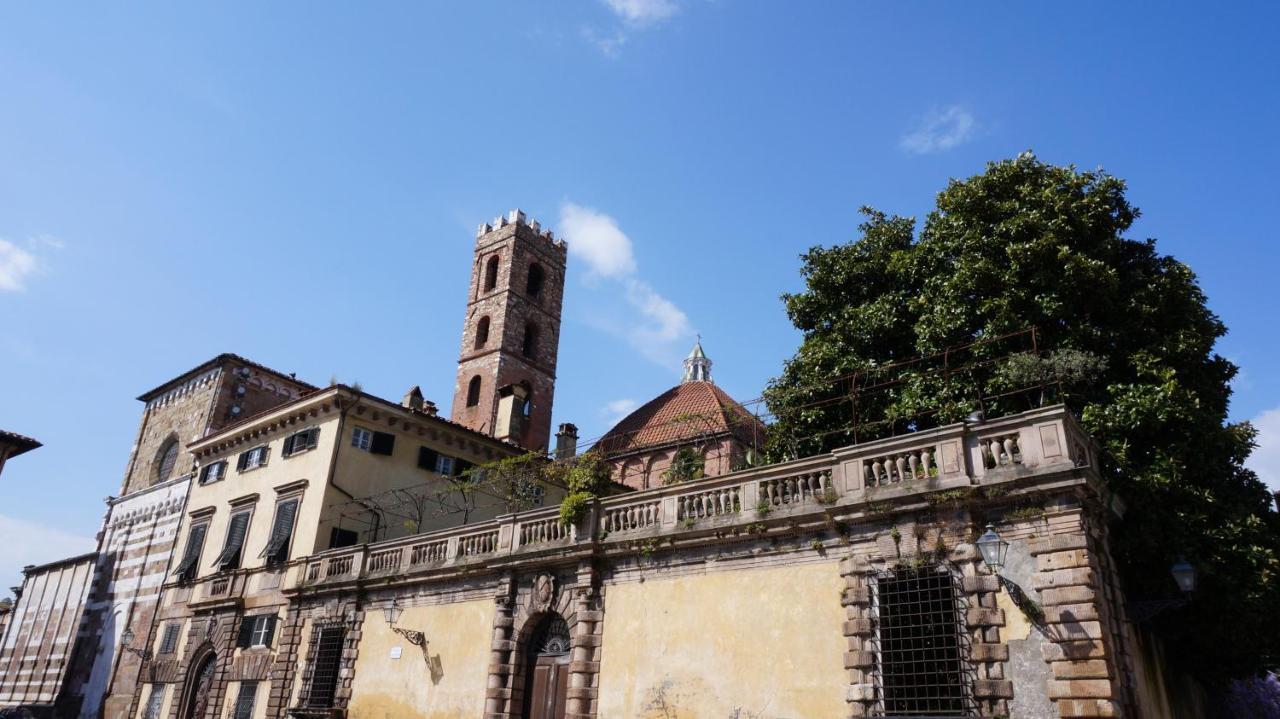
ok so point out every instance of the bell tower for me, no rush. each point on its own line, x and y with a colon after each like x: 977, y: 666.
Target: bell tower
x: 511, y: 333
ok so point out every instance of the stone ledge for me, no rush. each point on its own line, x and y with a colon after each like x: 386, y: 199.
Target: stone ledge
x: 860, y: 693
x: 1078, y: 576
x: 1063, y: 651
x: 1081, y: 669
x: 859, y: 659
x: 1087, y: 709
x: 979, y: 617
x: 855, y: 596
x: 1080, y: 689
x: 857, y: 627
x: 993, y: 689
x: 1057, y: 543
x: 980, y: 583
x: 989, y: 653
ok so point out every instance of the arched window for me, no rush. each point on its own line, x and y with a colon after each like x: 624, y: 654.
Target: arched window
x: 473, y: 392
x: 482, y: 332
x: 533, y: 287
x: 529, y: 347
x: 491, y: 274
x: 166, y: 458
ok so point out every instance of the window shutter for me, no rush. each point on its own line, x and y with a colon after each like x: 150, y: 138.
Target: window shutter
x: 191, y: 555
x: 313, y: 438
x: 245, y: 639
x: 270, y: 633
x: 460, y: 467
x: 383, y: 443
x: 288, y: 445
x: 281, y: 530
x: 235, y: 540
x: 427, y: 458
x: 264, y: 453
x: 170, y: 640
x: 242, y: 461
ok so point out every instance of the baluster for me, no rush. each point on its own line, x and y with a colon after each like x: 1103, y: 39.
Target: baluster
x: 901, y: 464
x: 926, y: 461
x: 995, y: 452
x: 1009, y: 445
x: 914, y: 462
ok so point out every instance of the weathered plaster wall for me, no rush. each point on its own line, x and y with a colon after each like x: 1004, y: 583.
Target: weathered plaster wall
x: 758, y: 643
x: 447, y: 684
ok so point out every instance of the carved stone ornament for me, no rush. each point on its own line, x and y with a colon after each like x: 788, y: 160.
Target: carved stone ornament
x: 544, y: 592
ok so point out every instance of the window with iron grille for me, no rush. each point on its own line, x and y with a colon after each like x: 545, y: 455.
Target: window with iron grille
x: 154, y: 700
x: 169, y: 640
x: 300, y: 442
x: 922, y: 657
x: 322, y: 684
x: 186, y: 569
x: 244, y: 700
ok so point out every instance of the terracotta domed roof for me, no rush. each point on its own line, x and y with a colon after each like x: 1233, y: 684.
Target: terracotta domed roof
x: 687, y: 411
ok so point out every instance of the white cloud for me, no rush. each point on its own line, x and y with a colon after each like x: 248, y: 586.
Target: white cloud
x: 594, y: 237
x: 940, y: 130
x: 16, y: 264
x: 1265, y: 460
x: 643, y: 12
x: 23, y: 543
x: 616, y: 410
x: 656, y: 323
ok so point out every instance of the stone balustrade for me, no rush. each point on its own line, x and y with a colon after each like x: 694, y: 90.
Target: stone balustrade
x: 1039, y: 442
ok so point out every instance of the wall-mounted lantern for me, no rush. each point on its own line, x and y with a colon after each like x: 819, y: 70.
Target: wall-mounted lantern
x: 993, y: 549
x: 392, y: 613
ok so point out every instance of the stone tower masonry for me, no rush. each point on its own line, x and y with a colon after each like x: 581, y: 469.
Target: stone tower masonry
x: 511, y: 334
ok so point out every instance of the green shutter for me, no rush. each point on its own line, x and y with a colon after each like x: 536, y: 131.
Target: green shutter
x: 235, y: 541
x: 281, y: 530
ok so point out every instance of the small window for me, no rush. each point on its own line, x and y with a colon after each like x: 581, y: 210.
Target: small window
x: 383, y: 443
x: 166, y: 458
x: 473, y: 392
x: 300, y: 442
x: 491, y: 274
x: 256, y: 631
x: 427, y: 458
x: 482, y: 332
x: 921, y: 658
x: 211, y: 473
x: 529, y: 347
x: 186, y: 569
x: 533, y: 286
x: 444, y: 465
x: 169, y: 640
x: 154, y: 700
x: 253, y: 458
x: 233, y: 549
x: 339, y: 537
x: 538, y: 495
x: 244, y: 700
x: 277, y: 549
x: 361, y: 438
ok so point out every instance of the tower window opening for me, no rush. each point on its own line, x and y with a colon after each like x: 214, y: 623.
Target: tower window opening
x: 473, y: 392
x: 533, y: 286
x: 482, y: 332
x: 491, y: 274
x: 529, y: 347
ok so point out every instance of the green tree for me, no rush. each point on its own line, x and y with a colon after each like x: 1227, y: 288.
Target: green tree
x: 1124, y: 337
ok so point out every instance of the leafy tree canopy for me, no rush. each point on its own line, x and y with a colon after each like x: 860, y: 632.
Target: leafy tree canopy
x: 1122, y: 335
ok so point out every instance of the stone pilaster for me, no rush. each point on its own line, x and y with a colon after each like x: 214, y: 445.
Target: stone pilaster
x: 502, y: 652
x: 984, y: 620
x: 588, y: 628
x: 860, y: 652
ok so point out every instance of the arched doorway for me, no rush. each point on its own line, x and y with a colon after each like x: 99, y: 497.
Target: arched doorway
x: 199, y: 685
x: 546, y: 672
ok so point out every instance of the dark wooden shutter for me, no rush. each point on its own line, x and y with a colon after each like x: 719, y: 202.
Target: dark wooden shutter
x: 383, y: 443
x: 460, y: 467
x: 277, y: 548
x: 270, y: 634
x: 169, y: 642
x: 242, y: 460
x: 427, y: 458
x: 235, y: 541
x: 245, y: 638
x: 287, y: 449
x: 191, y: 555
x: 244, y: 700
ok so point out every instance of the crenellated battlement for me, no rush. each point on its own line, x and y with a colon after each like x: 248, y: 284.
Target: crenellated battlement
x: 518, y: 218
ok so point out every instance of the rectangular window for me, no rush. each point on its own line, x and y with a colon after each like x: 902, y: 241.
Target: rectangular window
x: 169, y: 640
x: 300, y: 442
x: 427, y: 458
x: 154, y: 700
x: 211, y: 473
x: 231, y: 551
x: 383, y: 443
x: 186, y: 569
x: 253, y: 458
x: 256, y: 631
x: 277, y: 549
x: 322, y: 685
x: 444, y: 465
x: 244, y: 700
x: 921, y: 657
x: 339, y: 537
x: 361, y: 438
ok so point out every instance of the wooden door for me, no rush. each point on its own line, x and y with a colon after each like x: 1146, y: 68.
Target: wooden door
x: 548, y: 687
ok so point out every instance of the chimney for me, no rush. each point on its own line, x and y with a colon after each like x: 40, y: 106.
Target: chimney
x: 429, y: 408
x: 413, y: 398
x: 566, y: 441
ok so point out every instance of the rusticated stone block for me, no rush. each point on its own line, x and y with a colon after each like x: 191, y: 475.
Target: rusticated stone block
x: 1082, y: 669
x: 856, y: 596
x: 993, y: 689
x: 1067, y: 595
x: 1080, y: 689
x: 1070, y: 613
x: 989, y: 653
x: 860, y: 693
x: 1073, y: 650
x: 980, y: 583
x: 1087, y: 708
x: 1079, y: 576
x: 1062, y: 560
x: 859, y: 659
x: 857, y: 627
x: 1057, y: 543
x: 979, y: 617
x: 1071, y: 631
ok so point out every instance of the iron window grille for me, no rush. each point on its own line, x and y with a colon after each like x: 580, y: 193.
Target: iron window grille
x: 244, y: 700
x: 253, y: 458
x: 300, y: 442
x: 921, y: 645
x: 169, y: 641
x: 231, y: 551
x: 277, y: 549
x: 211, y: 473
x: 322, y: 683
x: 154, y: 700
x: 186, y: 569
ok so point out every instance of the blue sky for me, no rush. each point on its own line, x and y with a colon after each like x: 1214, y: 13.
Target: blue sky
x: 300, y: 184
